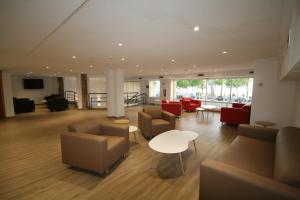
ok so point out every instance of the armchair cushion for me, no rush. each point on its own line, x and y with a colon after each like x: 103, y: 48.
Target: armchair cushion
x: 155, y: 113
x: 287, y: 156
x: 250, y: 154
x: 160, y: 126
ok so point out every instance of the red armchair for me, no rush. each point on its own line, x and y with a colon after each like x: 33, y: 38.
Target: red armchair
x: 171, y: 107
x: 238, y: 114
x: 189, y: 104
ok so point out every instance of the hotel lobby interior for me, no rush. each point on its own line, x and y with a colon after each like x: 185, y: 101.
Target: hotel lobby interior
x: 140, y: 99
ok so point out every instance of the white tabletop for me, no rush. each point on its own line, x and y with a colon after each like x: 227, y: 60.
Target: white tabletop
x: 132, y: 129
x: 208, y: 106
x: 174, y: 141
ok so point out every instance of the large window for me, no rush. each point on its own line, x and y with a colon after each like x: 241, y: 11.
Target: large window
x: 226, y: 90
x: 154, y: 88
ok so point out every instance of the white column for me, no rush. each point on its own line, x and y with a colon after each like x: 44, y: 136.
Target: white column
x: 115, y: 93
x: 8, y: 94
x: 78, y: 91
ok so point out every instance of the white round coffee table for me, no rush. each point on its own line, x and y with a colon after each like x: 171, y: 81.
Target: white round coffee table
x: 200, y: 110
x: 172, y: 142
x: 208, y: 108
x: 133, y: 129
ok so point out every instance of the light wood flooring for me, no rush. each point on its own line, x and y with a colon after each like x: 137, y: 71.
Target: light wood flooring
x: 31, y: 167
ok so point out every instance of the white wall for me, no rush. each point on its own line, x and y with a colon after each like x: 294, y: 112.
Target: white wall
x: 291, y: 55
x: 273, y: 100
x: 297, y: 106
x: 97, y: 84
x: 50, y: 87
x: 70, y: 84
x: 8, y: 94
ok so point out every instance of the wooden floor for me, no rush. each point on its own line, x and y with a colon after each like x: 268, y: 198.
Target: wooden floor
x: 31, y: 167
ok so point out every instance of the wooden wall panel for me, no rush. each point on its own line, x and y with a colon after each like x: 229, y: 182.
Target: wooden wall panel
x: 60, y: 86
x: 84, y: 91
x: 2, y: 105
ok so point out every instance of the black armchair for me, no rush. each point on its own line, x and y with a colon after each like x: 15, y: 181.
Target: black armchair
x: 23, y: 105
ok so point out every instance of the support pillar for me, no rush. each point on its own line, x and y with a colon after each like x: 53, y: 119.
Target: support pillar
x: 84, y: 91
x: 115, y: 93
x: 78, y: 91
x: 60, y: 81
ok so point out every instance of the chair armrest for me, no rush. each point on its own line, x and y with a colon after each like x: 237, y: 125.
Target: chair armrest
x: 267, y: 134
x: 145, y: 123
x: 84, y: 150
x: 121, y: 130
x: 235, y: 183
x: 171, y: 118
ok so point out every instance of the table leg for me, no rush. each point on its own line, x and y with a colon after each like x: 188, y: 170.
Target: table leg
x: 207, y: 111
x: 197, y: 113
x: 195, y: 145
x: 181, y: 164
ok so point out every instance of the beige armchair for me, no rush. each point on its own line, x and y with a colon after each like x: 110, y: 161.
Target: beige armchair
x: 261, y: 163
x: 94, y: 146
x: 153, y: 121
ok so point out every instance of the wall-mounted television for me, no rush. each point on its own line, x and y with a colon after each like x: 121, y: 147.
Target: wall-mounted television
x: 33, y: 83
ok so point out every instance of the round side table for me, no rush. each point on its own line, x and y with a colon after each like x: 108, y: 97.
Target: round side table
x: 133, y: 129
x: 264, y: 123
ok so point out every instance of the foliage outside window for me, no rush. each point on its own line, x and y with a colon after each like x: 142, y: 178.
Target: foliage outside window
x: 219, y: 90
x: 154, y: 88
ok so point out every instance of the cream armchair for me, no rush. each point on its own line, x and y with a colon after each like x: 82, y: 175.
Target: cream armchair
x: 94, y: 146
x: 153, y: 121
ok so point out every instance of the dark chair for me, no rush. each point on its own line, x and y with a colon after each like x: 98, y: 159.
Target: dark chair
x: 23, y: 105
x: 57, y: 104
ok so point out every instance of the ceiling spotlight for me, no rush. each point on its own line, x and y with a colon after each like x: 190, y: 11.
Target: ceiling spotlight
x: 47, y: 67
x: 91, y: 66
x: 58, y: 72
x: 194, y: 66
x: 31, y: 72
x: 224, y: 52
x: 122, y: 59
x: 137, y: 66
x: 71, y: 70
x: 82, y: 72
x: 196, y: 28
x: 172, y: 60
x: 74, y: 57
x: 120, y: 44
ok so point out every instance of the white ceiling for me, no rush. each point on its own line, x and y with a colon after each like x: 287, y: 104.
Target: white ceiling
x: 37, y: 33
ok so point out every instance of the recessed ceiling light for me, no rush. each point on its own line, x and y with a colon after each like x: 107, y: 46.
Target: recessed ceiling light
x: 82, y: 72
x: 91, y: 66
x: 47, y: 67
x: 224, y: 52
x: 194, y: 66
x: 71, y: 70
x: 196, y: 28
x: 137, y: 66
x: 122, y: 59
x: 172, y: 60
x: 120, y: 44
x: 58, y: 72
x: 74, y: 57
x: 31, y: 72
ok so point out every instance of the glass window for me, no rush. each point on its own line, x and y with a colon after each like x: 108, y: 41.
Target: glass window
x: 154, y: 88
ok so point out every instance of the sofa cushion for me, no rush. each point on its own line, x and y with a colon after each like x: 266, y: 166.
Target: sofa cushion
x: 287, y: 156
x: 160, y: 126
x: 250, y: 154
x: 155, y: 113
x: 85, y: 126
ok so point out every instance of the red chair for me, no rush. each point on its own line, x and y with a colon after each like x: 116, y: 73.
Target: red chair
x: 239, y: 114
x: 171, y: 107
x: 189, y: 104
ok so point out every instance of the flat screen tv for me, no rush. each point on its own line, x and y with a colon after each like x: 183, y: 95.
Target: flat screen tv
x: 33, y: 83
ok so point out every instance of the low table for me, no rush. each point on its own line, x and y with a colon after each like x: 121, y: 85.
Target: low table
x: 173, y: 142
x: 208, y: 108
x: 264, y: 123
x: 200, y: 110
x: 133, y: 129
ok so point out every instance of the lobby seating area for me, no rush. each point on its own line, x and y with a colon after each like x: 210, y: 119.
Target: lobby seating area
x: 150, y: 100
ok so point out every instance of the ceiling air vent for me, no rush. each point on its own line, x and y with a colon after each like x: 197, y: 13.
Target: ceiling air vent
x: 140, y: 78
x: 200, y: 74
x: 161, y: 77
x: 251, y: 72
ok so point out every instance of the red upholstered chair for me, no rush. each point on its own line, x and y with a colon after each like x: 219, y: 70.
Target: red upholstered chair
x: 236, y: 115
x: 171, y: 107
x: 189, y: 104
x: 237, y: 105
